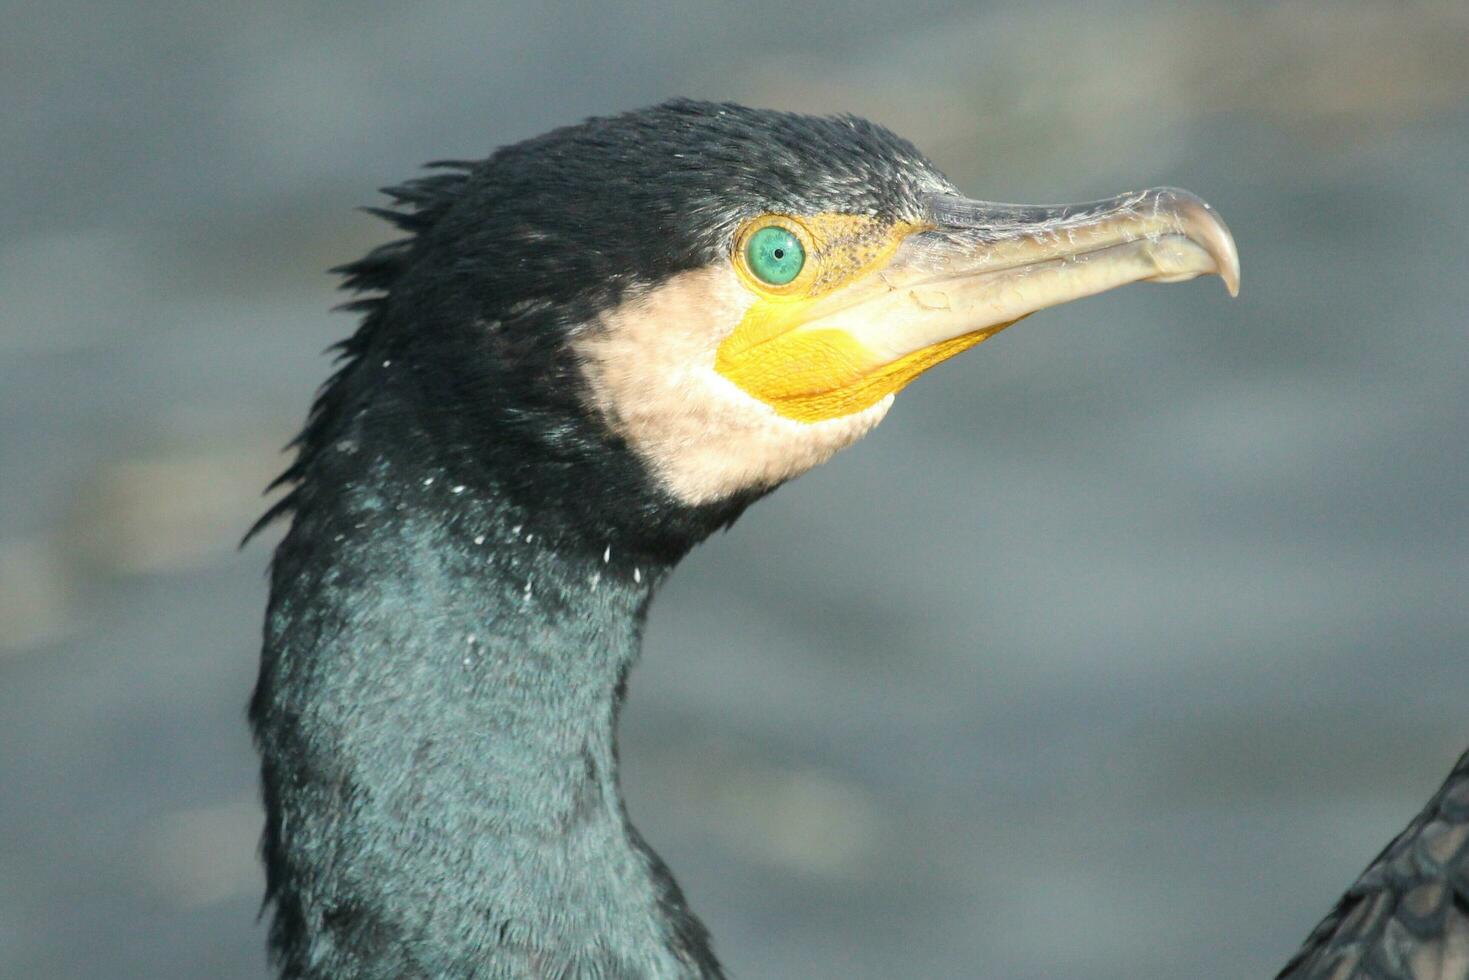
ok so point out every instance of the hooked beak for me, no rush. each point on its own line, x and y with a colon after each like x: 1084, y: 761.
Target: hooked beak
x: 971, y: 269
x: 983, y: 266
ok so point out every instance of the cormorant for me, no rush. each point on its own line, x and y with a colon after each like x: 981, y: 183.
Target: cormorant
x: 593, y: 349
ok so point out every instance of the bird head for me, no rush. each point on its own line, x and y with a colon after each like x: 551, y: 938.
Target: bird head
x: 724, y: 297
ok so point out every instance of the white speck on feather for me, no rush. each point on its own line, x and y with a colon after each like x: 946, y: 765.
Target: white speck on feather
x: 515, y: 530
x: 637, y: 574
x: 458, y: 488
x: 528, y: 588
x: 479, y: 539
x: 607, y: 555
x: 529, y: 538
x: 428, y: 481
x: 470, y: 639
x: 596, y: 577
x: 387, y: 363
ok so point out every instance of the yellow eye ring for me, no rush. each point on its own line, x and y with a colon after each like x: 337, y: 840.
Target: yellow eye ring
x: 742, y: 256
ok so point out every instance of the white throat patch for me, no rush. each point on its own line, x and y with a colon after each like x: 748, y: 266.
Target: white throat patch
x: 649, y: 365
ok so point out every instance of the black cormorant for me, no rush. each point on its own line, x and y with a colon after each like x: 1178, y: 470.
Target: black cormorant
x: 593, y: 349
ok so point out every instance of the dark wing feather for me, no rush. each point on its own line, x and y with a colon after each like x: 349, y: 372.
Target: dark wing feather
x: 1407, y: 916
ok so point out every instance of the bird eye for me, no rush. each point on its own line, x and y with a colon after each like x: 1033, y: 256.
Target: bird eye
x: 774, y: 255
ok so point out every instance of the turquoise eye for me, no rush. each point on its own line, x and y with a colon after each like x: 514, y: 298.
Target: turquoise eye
x: 774, y: 255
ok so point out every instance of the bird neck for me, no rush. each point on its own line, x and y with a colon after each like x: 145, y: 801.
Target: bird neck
x: 437, y: 714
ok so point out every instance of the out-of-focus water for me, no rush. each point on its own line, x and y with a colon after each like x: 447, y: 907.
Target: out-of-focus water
x: 1116, y: 652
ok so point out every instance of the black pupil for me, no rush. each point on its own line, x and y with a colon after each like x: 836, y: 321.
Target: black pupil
x: 780, y: 253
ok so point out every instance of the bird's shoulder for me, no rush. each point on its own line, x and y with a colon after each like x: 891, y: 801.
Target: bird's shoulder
x: 1407, y: 916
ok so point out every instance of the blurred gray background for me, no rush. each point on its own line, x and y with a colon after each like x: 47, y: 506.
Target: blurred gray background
x: 1116, y: 652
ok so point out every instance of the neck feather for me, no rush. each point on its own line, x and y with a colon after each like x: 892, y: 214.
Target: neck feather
x: 436, y: 713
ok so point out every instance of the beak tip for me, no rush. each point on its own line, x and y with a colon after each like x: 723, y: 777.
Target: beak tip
x: 1204, y: 225
x: 1230, y: 275
x: 1220, y: 244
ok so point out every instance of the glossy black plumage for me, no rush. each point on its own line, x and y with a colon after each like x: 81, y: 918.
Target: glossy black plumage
x: 1407, y: 916
x: 462, y: 590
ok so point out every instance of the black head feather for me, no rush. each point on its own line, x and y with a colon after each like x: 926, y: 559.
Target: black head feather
x: 462, y: 350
